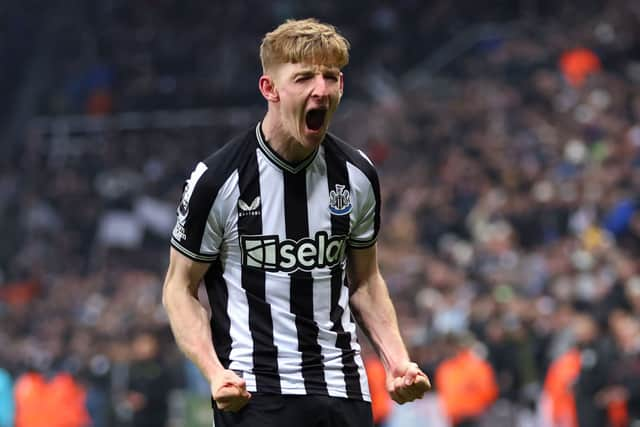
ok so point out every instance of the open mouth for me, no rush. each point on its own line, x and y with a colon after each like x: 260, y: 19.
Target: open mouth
x: 315, y: 118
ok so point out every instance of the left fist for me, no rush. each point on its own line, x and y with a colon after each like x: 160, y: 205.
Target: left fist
x: 408, y: 383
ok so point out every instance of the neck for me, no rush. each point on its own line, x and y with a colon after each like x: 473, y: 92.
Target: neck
x: 281, y: 141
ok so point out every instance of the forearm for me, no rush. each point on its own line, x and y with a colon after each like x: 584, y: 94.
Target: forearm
x: 190, y: 325
x: 377, y: 318
x: 374, y: 312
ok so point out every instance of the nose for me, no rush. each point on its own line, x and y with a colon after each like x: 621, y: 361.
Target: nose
x: 320, y: 87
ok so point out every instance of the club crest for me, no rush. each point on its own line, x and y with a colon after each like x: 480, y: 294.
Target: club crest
x: 340, y: 200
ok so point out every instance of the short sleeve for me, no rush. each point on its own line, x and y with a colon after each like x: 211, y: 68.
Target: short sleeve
x: 365, y: 184
x: 197, y: 233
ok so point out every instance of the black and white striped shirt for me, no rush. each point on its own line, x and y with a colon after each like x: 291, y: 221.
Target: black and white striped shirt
x: 276, y: 235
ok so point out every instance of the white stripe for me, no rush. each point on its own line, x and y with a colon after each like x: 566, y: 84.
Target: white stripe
x: 193, y: 180
x: 277, y: 285
x: 241, y: 353
x: 365, y: 157
x: 220, y: 208
x: 364, y: 204
x: 319, y: 218
x: 364, y: 383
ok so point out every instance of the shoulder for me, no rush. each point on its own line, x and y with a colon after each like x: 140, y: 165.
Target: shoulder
x: 233, y: 152
x: 339, y: 149
x: 221, y: 164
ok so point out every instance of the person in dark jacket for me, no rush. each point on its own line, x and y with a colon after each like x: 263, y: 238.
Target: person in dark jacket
x: 149, y: 383
x: 593, y: 375
x: 623, y: 388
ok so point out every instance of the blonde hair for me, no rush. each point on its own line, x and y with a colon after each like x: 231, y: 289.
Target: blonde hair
x: 306, y: 40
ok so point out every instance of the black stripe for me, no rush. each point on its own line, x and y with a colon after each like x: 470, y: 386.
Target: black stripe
x: 220, y: 323
x: 356, y: 158
x: 265, y: 353
x: 337, y: 174
x: 301, y: 290
x: 218, y: 300
x: 204, y: 194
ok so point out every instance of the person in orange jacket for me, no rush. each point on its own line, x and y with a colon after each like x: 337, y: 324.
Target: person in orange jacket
x: 58, y: 403
x: 574, y: 380
x: 380, y: 399
x: 466, y: 383
x: 563, y: 372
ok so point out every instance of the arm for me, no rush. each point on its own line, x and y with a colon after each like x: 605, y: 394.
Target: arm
x: 375, y: 314
x: 190, y: 325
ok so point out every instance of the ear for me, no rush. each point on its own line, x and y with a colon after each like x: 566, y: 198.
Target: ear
x: 341, y: 84
x: 268, y: 88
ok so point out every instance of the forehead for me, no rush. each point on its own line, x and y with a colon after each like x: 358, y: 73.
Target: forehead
x: 291, y: 68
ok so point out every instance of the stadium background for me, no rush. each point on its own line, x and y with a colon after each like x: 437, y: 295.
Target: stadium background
x: 507, y: 138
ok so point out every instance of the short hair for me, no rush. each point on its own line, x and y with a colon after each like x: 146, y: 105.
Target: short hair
x: 306, y: 40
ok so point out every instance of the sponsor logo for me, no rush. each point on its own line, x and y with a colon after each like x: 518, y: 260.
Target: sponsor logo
x: 245, y: 209
x: 178, y: 232
x: 340, y: 200
x: 270, y: 254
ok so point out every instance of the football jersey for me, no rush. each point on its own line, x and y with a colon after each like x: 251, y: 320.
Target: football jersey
x: 277, y: 235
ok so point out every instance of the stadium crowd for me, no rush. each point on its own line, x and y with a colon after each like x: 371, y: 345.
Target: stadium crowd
x: 511, y: 228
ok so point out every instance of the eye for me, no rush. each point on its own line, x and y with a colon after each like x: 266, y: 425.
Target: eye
x: 303, y: 78
x: 331, y: 77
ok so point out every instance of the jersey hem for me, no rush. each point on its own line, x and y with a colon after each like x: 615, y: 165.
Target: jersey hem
x: 292, y: 391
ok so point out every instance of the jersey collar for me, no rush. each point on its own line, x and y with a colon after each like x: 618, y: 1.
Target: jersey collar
x: 277, y: 160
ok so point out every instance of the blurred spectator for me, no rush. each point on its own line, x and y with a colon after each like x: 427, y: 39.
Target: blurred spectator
x: 381, y: 403
x: 595, y: 359
x: 622, y: 395
x: 578, y: 64
x: 7, y: 408
x: 558, y: 402
x: 575, y: 380
x: 466, y: 384
x: 429, y: 409
x: 59, y: 402
x: 149, y: 383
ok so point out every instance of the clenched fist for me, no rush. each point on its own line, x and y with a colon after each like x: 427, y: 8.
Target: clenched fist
x: 229, y: 391
x: 407, y: 383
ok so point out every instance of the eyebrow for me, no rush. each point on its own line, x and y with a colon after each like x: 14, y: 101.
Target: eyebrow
x: 304, y: 73
x: 311, y: 71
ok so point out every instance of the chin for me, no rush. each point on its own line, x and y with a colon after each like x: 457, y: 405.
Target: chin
x: 313, y: 139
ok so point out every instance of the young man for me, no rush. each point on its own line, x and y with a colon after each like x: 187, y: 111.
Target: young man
x: 274, y: 222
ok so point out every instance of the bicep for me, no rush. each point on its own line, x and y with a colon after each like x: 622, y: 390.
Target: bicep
x: 184, y: 272
x: 362, y: 265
